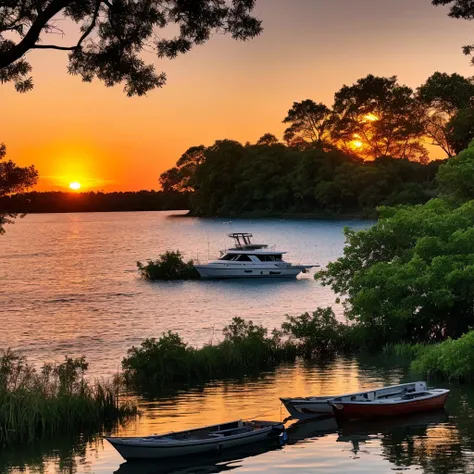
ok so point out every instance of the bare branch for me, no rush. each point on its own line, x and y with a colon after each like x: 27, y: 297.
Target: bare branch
x: 54, y: 46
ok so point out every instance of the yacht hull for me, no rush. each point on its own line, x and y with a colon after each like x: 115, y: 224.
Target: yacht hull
x: 221, y: 272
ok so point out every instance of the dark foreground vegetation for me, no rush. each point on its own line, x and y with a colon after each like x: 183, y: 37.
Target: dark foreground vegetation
x: 58, y: 201
x: 246, y: 349
x: 55, y: 400
x: 169, y: 266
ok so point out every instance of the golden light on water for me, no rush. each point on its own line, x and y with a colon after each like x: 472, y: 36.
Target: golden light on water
x: 75, y: 186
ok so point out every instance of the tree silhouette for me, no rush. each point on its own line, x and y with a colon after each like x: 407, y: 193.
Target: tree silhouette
x: 445, y: 97
x: 309, y: 123
x: 267, y: 139
x: 113, y: 33
x: 13, y: 179
x: 180, y: 178
x: 376, y: 117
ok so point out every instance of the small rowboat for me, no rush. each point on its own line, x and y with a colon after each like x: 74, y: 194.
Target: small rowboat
x: 196, y: 441
x: 367, y: 405
x: 304, y: 408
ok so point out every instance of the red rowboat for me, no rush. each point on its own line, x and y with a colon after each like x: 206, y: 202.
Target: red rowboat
x: 367, y: 405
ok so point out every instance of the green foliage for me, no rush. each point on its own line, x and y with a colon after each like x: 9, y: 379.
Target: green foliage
x: 410, y: 278
x: 451, y: 359
x: 54, y: 401
x: 246, y: 349
x: 168, y: 266
x: 455, y: 177
x: 410, y: 351
x: 273, y: 179
x: 318, y: 333
x: 114, y: 34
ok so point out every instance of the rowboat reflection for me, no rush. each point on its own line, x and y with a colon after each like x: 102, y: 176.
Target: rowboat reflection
x: 211, y: 463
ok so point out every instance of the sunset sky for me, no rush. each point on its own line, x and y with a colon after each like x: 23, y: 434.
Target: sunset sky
x: 72, y: 131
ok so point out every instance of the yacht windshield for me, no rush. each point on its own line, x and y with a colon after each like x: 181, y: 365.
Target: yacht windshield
x: 228, y: 256
x: 236, y: 257
x: 270, y: 258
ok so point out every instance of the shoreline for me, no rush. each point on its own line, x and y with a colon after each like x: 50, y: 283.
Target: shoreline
x: 286, y: 215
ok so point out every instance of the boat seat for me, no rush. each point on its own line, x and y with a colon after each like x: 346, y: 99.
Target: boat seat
x: 410, y: 396
x: 228, y: 432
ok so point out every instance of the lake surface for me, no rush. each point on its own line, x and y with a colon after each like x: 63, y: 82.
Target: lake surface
x: 69, y: 286
x: 70, y: 283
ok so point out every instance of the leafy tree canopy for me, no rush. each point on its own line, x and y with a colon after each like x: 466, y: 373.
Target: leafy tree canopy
x: 411, y: 276
x: 377, y: 117
x: 271, y: 178
x: 113, y: 34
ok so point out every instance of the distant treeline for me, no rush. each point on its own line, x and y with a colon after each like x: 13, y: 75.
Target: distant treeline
x: 57, y: 201
x: 368, y: 149
x: 231, y: 179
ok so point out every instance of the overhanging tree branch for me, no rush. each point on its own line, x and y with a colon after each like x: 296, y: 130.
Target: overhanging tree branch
x: 11, y: 55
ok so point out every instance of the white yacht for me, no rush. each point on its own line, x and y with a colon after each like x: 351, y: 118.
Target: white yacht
x: 249, y: 260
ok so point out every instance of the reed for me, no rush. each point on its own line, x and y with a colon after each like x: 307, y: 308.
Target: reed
x: 405, y: 350
x: 169, y: 266
x: 57, y: 399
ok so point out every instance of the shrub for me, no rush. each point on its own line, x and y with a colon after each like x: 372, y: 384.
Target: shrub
x: 168, y: 266
x: 246, y: 349
x: 319, y: 333
x: 451, y: 359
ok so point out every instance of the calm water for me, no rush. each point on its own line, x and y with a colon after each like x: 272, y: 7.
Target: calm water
x: 69, y: 286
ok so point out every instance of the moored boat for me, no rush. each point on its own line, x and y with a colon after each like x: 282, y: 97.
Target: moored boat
x: 368, y: 405
x: 304, y: 408
x: 195, y: 441
x: 249, y: 260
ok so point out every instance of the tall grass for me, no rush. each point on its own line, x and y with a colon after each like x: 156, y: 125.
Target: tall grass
x: 452, y: 359
x: 57, y: 399
x: 409, y: 351
x: 168, y: 266
x: 246, y: 349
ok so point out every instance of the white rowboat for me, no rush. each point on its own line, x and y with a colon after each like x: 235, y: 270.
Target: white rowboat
x: 196, y: 441
x: 304, y: 408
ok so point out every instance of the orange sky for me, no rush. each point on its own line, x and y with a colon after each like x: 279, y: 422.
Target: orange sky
x: 225, y: 89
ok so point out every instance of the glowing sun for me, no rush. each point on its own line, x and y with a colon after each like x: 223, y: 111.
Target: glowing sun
x: 75, y: 185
